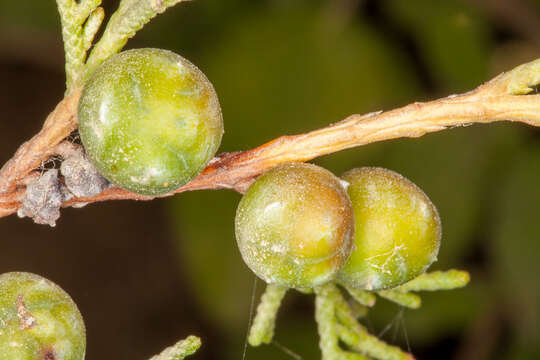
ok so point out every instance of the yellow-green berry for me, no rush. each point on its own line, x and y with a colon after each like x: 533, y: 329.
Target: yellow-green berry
x: 149, y: 120
x: 38, y: 320
x: 294, y: 226
x: 398, y: 230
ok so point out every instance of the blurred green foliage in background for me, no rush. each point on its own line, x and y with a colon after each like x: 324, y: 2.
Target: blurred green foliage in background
x: 290, y: 66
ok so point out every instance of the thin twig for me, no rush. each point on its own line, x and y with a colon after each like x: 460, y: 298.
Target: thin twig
x: 500, y: 99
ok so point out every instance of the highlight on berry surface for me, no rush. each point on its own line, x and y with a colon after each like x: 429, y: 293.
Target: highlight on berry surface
x: 398, y: 230
x: 38, y: 320
x: 294, y: 226
x: 149, y: 120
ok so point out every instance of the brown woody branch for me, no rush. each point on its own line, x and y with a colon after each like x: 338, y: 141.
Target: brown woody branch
x: 503, y: 98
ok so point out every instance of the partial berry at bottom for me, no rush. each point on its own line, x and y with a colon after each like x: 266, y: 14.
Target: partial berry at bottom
x: 38, y: 320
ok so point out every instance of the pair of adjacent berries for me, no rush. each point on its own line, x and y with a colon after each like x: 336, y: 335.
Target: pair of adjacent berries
x: 150, y: 121
x: 300, y: 226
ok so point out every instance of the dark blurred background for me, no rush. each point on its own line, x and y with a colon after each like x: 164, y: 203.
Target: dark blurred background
x: 149, y: 273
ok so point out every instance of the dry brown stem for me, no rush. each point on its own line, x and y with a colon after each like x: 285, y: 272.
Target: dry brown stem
x: 500, y: 99
x: 14, y: 174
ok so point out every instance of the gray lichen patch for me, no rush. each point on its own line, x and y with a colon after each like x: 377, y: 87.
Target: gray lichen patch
x: 46, y: 193
x: 43, y: 199
x: 81, y: 178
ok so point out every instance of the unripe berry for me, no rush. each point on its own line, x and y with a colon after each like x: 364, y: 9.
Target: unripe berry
x: 38, y: 320
x: 398, y: 230
x: 149, y: 120
x: 294, y: 226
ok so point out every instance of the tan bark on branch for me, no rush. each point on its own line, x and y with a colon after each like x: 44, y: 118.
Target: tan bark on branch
x: 503, y: 98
